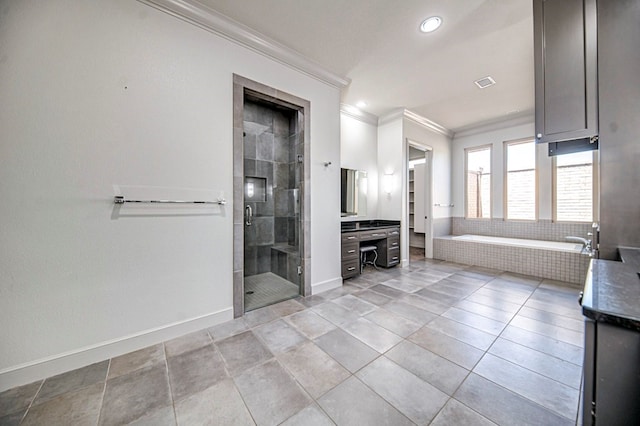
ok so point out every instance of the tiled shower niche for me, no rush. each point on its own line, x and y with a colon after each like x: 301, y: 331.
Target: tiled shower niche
x: 271, y: 148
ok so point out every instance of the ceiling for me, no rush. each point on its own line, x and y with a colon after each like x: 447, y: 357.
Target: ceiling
x: 391, y: 64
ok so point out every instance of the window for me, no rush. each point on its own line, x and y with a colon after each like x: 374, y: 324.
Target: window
x: 478, y: 182
x: 574, y: 177
x: 520, y: 178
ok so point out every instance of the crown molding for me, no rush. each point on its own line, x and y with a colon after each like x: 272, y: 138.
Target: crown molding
x: 525, y: 117
x: 392, y: 116
x: 358, y: 114
x: 426, y: 123
x: 202, y: 16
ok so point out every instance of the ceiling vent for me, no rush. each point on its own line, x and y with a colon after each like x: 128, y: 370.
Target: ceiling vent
x: 485, y: 82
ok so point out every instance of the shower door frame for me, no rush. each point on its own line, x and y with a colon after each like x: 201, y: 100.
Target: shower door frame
x: 242, y: 86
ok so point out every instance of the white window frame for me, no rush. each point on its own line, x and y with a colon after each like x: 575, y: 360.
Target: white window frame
x: 466, y: 175
x: 505, y: 199
x: 595, y: 190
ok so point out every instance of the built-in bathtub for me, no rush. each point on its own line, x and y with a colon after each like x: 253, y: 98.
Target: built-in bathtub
x: 555, y: 260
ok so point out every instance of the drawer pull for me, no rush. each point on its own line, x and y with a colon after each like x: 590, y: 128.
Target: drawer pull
x: 351, y: 251
x: 394, y: 258
x: 351, y: 238
x: 352, y: 268
x: 393, y: 233
x: 394, y: 244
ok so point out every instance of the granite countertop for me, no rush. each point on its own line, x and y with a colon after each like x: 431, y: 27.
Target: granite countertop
x: 612, y: 290
x: 366, y: 225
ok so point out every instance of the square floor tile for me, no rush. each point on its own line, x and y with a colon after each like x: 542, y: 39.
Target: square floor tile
x: 136, y: 360
x: 474, y: 320
x: 544, y: 344
x: 353, y: 403
x: 194, y: 371
x: 316, y: 371
x: 243, y: 351
x: 72, y: 381
x: 335, y: 313
x: 310, y: 416
x: 131, y: 396
x: 279, y: 336
x: 412, y: 396
x: 346, y: 349
x: 503, y: 406
x: 270, y: 393
x: 372, y: 334
x: 464, y: 333
x: 220, y: 404
x: 395, y: 323
x: 354, y: 304
x: 288, y: 307
x: 456, y: 413
x: 555, y: 396
x: 447, y: 347
x: 440, y: 372
x: 228, y: 329
x: 78, y: 407
x: 310, y: 324
x: 187, y: 343
x: 18, y: 399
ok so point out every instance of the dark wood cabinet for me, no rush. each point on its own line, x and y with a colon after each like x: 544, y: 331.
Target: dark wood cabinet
x: 565, y: 51
x: 387, y: 242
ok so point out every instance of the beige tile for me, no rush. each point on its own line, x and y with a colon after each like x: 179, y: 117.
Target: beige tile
x: 136, y: 360
x: 187, y: 343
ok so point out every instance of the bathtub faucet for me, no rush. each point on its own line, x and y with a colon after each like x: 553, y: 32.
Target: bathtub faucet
x: 586, y: 244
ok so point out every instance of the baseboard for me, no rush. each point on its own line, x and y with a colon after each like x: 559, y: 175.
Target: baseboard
x: 404, y: 263
x: 326, y: 285
x: 50, y: 366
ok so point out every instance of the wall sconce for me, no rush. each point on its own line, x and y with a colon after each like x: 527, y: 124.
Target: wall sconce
x: 388, y: 183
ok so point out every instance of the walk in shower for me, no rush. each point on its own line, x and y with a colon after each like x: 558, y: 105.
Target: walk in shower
x: 273, y: 154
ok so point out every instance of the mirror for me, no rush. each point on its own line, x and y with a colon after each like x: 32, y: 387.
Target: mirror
x: 353, y: 200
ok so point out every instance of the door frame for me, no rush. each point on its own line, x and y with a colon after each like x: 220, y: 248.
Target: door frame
x: 242, y: 86
x: 428, y: 201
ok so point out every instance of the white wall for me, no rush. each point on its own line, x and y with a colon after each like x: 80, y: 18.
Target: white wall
x: 359, y: 151
x: 496, y: 138
x: 391, y: 158
x: 97, y: 94
x: 441, y: 149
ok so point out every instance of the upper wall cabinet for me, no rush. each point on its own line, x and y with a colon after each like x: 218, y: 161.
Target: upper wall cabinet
x: 565, y: 46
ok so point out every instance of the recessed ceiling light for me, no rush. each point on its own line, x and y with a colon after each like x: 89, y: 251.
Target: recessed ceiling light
x: 485, y: 82
x: 430, y: 24
x: 361, y: 104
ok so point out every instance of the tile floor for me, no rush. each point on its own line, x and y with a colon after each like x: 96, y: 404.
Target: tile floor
x: 435, y: 343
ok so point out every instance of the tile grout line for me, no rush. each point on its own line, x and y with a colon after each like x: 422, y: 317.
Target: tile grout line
x: 104, y: 391
x: 24, y: 415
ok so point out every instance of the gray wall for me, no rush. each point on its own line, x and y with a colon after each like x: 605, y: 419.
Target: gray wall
x: 619, y: 94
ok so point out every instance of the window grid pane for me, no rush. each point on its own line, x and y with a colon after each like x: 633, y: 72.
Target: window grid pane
x: 521, y: 181
x: 478, y: 191
x: 574, y: 193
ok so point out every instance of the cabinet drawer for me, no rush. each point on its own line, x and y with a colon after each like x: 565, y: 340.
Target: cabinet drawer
x: 349, y: 237
x: 393, y: 243
x: 373, y: 235
x: 350, y: 268
x: 395, y: 232
x: 350, y: 250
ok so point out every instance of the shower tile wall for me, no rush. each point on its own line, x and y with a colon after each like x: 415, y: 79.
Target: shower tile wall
x: 270, y: 148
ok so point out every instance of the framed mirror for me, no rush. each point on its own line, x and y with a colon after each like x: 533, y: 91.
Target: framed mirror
x: 353, y: 200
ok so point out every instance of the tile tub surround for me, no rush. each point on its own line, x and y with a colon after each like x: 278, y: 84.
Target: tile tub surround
x: 436, y: 343
x: 556, y: 265
x: 545, y: 230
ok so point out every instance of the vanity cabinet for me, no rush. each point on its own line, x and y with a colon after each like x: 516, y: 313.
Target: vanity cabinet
x: 565, y: 54
x: 350, y: 254
x: 385, y: 236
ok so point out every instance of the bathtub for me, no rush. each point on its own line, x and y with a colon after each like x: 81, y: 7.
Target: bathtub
x: 519, y: 242
x: 562, y: 261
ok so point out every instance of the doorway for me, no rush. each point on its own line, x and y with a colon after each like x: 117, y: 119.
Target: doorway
x: 419, y: 165
x: 270, y: 198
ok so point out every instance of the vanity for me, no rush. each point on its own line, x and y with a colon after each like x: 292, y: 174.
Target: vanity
x: 610, y: 304
x: 384, y: 234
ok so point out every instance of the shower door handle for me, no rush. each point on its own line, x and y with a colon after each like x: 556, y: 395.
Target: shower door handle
x: 248, y: 214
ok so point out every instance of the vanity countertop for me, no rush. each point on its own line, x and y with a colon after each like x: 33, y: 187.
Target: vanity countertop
x: 366, y: 225
x: 612, y: 290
